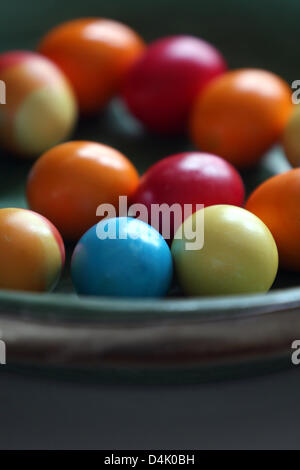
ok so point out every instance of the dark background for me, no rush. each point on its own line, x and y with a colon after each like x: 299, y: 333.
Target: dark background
x: 251, y: 413
x: 261, y: 33
x: 257, y: 413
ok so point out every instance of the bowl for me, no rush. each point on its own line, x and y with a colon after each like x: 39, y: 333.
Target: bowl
x: 175, y: 339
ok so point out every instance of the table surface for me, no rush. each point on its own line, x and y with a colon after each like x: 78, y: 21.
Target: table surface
x: 256, y: 413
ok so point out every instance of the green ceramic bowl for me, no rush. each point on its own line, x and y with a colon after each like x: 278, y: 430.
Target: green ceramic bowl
x: 176, y: 338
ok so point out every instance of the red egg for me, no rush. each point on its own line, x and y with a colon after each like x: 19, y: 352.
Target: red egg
x: 162, y: 85
x: 188, y: 179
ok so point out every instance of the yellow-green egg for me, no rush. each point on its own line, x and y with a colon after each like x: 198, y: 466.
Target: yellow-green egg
x: 238, y: 256
x: 291, y: 138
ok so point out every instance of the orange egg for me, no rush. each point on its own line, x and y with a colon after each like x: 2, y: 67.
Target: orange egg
x: 71, y: 180
x: 95, y: 54
x: 241, y: 115
x: 32, y: 253
x: 276, y: 203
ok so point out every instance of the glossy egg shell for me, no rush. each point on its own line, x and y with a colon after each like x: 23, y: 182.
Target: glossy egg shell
x: 276, y: 203
x: 161, y: 87
x: 95, y: 54
x: 291, y: 138
x: 189, y: 178
x: 40, y: 108
x: 239, y: 254
x: 70, y: 181
x: 32, y: 252
x: 134, y: 261
x: 240, y: 115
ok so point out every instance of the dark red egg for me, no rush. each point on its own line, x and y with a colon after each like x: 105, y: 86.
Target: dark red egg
x: 161, y: 86
x: 189, y: 178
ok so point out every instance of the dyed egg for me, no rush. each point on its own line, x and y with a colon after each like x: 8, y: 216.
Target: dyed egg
x: 122, y: 257
x: 291, y: 138
x: 32, y: 252
x: 241, y: 115
x: 95, y: 54
x: 70, y: 181
x: 40, y: 109
x: 162, y: 85
x: 239, y: 254
x: 276, y: 203
x: 188, y: 179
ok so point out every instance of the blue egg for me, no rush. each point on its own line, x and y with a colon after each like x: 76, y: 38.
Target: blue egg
x: 122, y: 257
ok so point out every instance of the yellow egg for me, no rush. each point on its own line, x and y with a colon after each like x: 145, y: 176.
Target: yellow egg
x: 239, y: 254
x: 291, y: 138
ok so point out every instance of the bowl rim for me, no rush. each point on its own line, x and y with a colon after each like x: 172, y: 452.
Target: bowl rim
x: 61, y: 305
